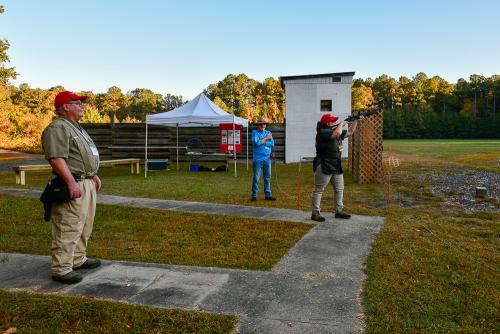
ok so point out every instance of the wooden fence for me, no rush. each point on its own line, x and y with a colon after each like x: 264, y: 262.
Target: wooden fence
x: 365, y: 150
x: 127, y: 140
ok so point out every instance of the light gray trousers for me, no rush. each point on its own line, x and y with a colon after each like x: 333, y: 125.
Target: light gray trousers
x: 320, y: 182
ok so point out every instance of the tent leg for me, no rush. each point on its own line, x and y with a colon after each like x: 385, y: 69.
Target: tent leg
x: 145, y: 152
x: 177, y: 145
x: 234, y: 147
x: 247, y: 148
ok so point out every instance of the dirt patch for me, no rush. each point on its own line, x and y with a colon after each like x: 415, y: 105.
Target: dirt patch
x: 457, y: 186
x: 9, y: 159
x: 399, y: 199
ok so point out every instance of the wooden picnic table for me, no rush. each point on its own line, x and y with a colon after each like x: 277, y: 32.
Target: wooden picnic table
x: 22, y: 169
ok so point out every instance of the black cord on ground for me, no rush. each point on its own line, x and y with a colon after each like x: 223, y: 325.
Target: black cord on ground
x: 300, y: 195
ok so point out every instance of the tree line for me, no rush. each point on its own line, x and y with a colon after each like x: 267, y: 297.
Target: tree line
x: 26, y: 111
x: 417, y: 107
x: 423, y: 107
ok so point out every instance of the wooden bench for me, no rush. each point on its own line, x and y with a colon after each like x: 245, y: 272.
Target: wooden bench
x: 21, y: 170
x: 131, y: 161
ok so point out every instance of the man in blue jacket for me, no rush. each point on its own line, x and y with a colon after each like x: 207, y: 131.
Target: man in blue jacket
x: 262, y: 145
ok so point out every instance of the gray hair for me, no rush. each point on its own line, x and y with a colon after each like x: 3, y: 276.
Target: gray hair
x: 60, y: 109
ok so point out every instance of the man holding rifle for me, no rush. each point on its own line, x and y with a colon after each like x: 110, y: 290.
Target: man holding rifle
x: 327, y: 164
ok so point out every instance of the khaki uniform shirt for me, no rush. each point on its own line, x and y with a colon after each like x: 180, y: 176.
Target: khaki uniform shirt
x: 64, y: 138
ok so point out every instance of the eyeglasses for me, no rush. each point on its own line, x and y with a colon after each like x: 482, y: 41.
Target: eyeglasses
x: 77, y: 103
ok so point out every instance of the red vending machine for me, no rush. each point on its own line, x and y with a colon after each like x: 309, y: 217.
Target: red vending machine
x: 229, y: 140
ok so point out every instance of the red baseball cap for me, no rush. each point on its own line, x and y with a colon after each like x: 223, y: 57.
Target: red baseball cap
x: 67, y: 96
x: 327, y: 118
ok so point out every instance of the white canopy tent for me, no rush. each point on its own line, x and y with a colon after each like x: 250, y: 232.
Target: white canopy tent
x: 198, y: 112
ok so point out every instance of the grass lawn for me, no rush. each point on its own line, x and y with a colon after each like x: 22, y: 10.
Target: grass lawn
x: 473, y: 153
x: 31, y: 313
x: 431, y: 270
x: 157, y: 236
x: 434, y: 270
x: 434, y: 273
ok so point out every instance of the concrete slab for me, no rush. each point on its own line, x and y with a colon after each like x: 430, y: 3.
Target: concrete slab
x: 29, y: 272
x: 337, y: 247
x: 156, y: 286
x: 266, y: 302
x: 20, y: 192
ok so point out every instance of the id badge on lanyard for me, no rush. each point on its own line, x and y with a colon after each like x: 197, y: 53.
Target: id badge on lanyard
x: 94, y: 151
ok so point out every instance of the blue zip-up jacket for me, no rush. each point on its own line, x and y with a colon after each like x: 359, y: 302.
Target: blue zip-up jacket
x: 261, y: 151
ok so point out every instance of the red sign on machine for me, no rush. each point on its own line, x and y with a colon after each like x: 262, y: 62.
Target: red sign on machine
x: 230, y: 141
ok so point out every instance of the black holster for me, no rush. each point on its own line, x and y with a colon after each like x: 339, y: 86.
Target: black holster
x: 316, y: 163
x: 56, y: 191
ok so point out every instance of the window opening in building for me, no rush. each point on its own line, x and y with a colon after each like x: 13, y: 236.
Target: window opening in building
x: 326, y: 105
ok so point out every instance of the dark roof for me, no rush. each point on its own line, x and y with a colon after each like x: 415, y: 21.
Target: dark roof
x: 313, y: 76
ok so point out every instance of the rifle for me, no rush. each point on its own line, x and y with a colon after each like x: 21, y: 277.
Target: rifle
x: 353, y: 118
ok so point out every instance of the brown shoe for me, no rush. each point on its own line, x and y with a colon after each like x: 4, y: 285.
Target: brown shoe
x: 317, y: 217
x: 89, y: 264
x: 342, y: 215
x: 69, y: 278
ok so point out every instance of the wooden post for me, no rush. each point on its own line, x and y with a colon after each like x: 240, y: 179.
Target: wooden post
x: 481, y: 192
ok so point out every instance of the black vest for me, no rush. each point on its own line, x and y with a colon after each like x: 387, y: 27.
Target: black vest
x: 328, y: 151
x: 326, y: 146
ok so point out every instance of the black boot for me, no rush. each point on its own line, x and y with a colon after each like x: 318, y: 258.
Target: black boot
x: 317, y: 217
x: 89, y: 264
x: 69, y: 278
x: 342, y: 215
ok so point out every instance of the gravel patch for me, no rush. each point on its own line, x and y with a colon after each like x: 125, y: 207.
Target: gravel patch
x: 457, y: 186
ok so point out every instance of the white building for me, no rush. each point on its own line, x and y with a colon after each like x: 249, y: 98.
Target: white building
x: 308, y: 97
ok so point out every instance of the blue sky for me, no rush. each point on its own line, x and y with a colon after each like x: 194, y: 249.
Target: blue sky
x: 182, y: 46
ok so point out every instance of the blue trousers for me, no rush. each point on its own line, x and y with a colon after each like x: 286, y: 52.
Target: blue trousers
x: 258, y: 167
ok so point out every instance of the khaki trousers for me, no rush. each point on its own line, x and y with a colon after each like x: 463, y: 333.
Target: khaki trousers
x: 72, y: 224
x: 320, y: 182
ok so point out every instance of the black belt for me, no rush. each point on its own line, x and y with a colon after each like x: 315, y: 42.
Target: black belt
x: 81, y: 177
x: 77, y: 177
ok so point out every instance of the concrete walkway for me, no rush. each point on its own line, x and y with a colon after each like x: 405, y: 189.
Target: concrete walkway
x: 187, y: 206
x: 315, y: 288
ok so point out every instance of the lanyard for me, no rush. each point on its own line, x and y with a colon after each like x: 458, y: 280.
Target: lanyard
x: 83, y: 133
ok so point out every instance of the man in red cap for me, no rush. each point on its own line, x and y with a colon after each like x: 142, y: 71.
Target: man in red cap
x: 328, y: 164
x: 75, y: 160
